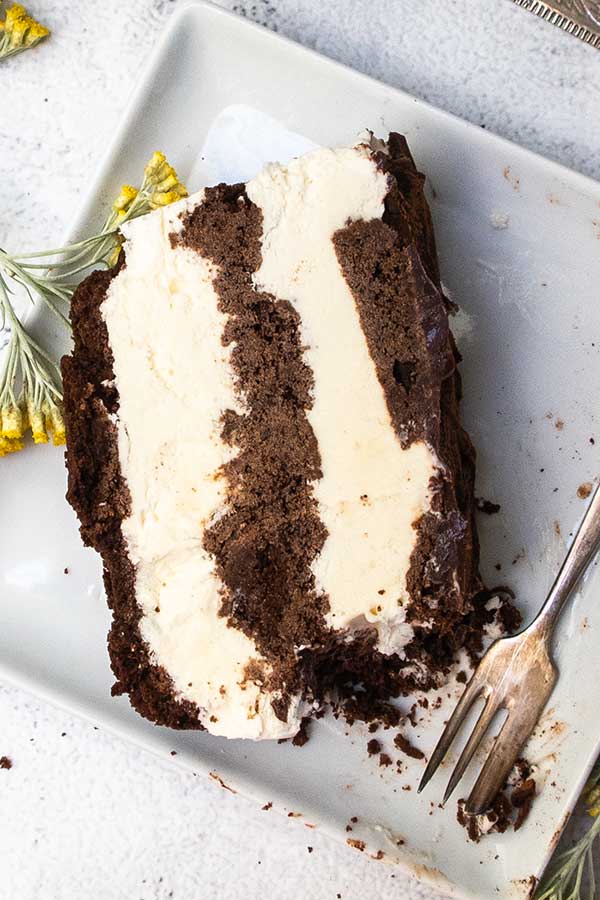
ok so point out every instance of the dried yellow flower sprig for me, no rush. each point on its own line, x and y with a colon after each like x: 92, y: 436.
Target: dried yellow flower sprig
x: 19, y: 31
x: 52, y: 275
x: 160, y: 187
x: 571, y: 876
x: 38, y: 407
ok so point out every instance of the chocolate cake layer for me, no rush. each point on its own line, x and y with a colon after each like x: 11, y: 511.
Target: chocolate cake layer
x: 264, y: 445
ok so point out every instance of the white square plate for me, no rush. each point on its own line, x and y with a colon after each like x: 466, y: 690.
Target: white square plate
x: 519, y: 251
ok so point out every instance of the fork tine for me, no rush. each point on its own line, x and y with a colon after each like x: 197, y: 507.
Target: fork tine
x: 470, y: 694
x: 483, y: 723
x: 505, y: 750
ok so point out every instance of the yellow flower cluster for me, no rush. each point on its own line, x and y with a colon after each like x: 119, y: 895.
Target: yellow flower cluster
x: 161, y: 183
x: 11, y: 429
x: 160, y: 186
x: 16, y: 420
x: 122, y: 204
x: 19, y: 31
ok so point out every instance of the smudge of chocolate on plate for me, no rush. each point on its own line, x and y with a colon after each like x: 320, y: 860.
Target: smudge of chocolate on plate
x: 487, y: 507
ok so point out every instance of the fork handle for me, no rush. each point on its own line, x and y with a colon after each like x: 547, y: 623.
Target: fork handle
x: 581, y: 552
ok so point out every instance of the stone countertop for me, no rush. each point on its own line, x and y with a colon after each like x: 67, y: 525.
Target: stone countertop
x: 83, y: 814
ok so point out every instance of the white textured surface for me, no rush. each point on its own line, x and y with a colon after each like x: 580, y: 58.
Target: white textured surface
x: 87, y: 816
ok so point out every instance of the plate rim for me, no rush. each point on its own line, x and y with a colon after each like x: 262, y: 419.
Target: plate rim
x: 206, y: 7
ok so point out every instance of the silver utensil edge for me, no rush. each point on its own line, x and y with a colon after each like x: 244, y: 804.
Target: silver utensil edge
x: 581, y: 18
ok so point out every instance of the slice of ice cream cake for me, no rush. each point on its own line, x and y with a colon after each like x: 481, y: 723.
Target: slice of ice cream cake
x: 264, y: 445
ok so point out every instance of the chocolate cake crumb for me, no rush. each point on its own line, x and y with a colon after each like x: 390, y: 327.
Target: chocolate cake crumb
x: 368, y: 706
x: 373, y: 727
x: 302, y: 736
x: 5, y: 762
x: 510, y: 808
x: 467, y: 822
x: 412, y: 715
x: 385, y: 760
x: 522, y: 799
x: 508, y: 616
x: 461, y: 677
x: 373, y: 747
x: 267, y: 806
x: 487, y: 507
x: 310, y: 849
x: 584, y: 490
x: 358, y: 845
x: 403, y: 744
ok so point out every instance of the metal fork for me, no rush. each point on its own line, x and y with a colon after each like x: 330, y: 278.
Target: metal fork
x: 516, y: 674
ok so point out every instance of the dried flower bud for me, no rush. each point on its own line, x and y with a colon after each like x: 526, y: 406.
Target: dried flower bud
x: 11, y: 422
x: 37, y: 423
x: 19, y: 31
x: 123, y: 202
x: 55, y: 422
x: 161, y: 183
x: 10, y: 445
